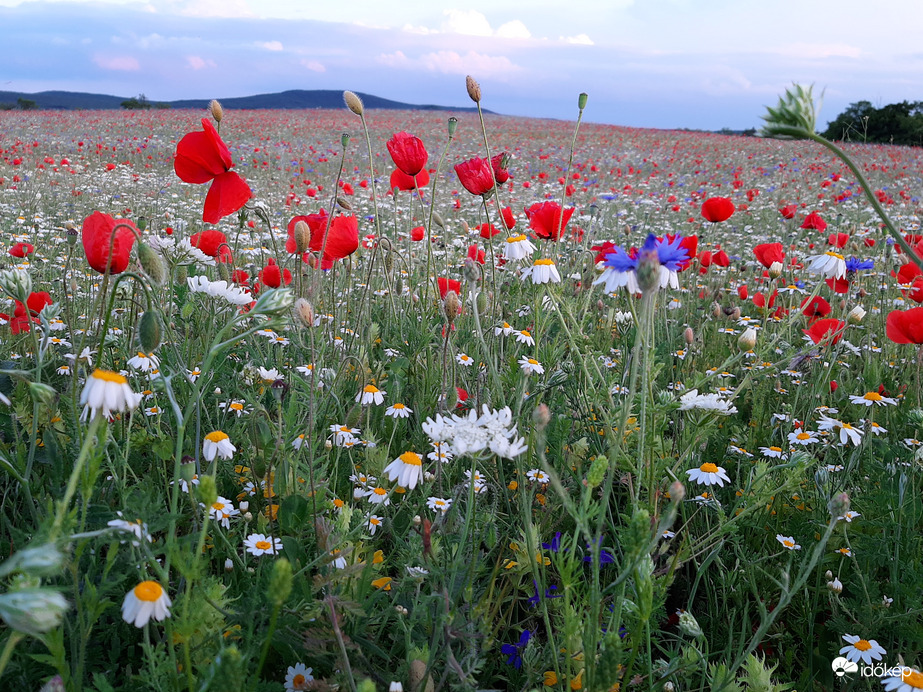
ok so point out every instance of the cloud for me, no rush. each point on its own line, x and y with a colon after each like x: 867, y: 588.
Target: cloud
x: 313, y: 65
x: 466, y: 22
x: 819, y: 51
x: 122, y: 63
x: 579, y: 39
x: 197, y: 63
x: 216, y: 8
x: 513, y: 29
x: 270, y: 45
x: 451, y: 62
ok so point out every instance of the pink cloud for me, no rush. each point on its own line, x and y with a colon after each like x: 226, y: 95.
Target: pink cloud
x: 123, y: 63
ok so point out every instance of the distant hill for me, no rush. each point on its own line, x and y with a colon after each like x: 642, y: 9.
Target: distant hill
x: 294, y: 99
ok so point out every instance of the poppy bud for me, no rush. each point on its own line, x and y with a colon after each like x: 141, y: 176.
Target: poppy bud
x: 217, y: 110
x: 150, y: 331
x: 453, y: 124
x: 302, y: 234
x: 451, y: 306
x: 474, y: 89
x: 856, y: 315
x: 152, y: 264
x: 438, y: 220
x: 839, y: 505
x: 581, y: 101
x: 471, y: 271
x: 689, y: 336
x: 648, y: 271
x: 353, y: 103
x: 304, y: 311
x: 341, y: 202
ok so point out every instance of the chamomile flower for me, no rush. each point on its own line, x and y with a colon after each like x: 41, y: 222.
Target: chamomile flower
x: 297, y: 677
x: 145, y: 362
x: 909, y: 680
x: 441, y: 452
x: 525, y: 337
x: 218, y: 444
x: 258, y: 544
x: 147, y: 600
x: 137, y: 527
x: 105, y: 393
x: 518, y: 247
x: 373, y: 523
x: 831, y: 264
x: 339, y: 560
x: 398, y: 410
x: 538, y: 476
x: 406, y: 470
x: 800, y: 437
x: 864, y: 650
x: 504, y: 330
x: 773, y: 452
x: 849, y: 516
x: 370, y: 394
x: 788, y: 542
x: 848, y: 433
x: 872, y: 399
x: 222, y: 510
x: 438, y: 504
x: 377, y: 495
x: 531, y: 366
x: 709, y: 474
x: 464, y: 359
x: 236, y: 406
x: 63, y: 370
x: 542, y: 271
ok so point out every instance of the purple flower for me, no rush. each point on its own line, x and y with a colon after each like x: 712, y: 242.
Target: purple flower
x: 512, y: 650
x: 620, y: 260
x: 537, y: 598
x: 605, y: 557
x: 555, y: 544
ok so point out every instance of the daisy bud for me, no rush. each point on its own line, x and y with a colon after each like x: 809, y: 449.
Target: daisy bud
x: 244, y: 506
x: 395, y: 686
x: 302, y: 234
x: 42, y: 393
x: 747, y: 340
x: 33, y: 611
x: 839, y: 505
x: 451, y: 305
x: 401, y: 610
x: 417, y: 520
x: 668, y: 686
x: 856, y: 315
x: 280, y: 583
x: 150, y: 331
x: 353, y: 103
x: 228, y: 565
x: 474, y: 89
x: 217, y: 110
x: 828, y: 574
x: 248, y: 517
x: 835, y: 586
x: 453, y: 124
x: 775, y: 270
x: 41, y: 561
x: 304, y: 311
x: 689, y: 336
x: 581, y: 101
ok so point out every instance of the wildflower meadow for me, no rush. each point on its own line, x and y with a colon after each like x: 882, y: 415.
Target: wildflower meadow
x: 376, y: 400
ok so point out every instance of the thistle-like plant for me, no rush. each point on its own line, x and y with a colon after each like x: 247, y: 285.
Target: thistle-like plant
x: 795, y: 115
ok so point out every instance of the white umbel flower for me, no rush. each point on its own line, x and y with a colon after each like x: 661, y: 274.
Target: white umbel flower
x: 147, y: 600
x: 105, y: 393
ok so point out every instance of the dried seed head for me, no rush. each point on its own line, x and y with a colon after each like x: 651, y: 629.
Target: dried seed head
x: 217, y: 110
x: 353, y: 102
x: 474, y: 89
x: 302, y: 236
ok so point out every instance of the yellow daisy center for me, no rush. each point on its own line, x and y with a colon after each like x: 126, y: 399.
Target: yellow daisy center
x: 788, y: 543
x: 516, y: 238
x: 298, y: 681
x: 370, y: 389
x: 411, y: 459
x: 216, y: 436
x: 834, y: 254
x: 708, y: 467
x: 544, y: 262
x: 236, y: 406
x: 803, y: 436
x: 380, y: 491
x: 525, y: 333
x: 109, y: 376
x: 263, y: 545
x: 218, y: 506
x: 149, y: 591
x: 862, y: 645
x: 872, y: 396
x: 532, y: 361
x: 398, y: 406
x: 914, y: 678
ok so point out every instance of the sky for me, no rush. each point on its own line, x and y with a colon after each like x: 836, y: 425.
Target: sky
x: 698, y: 64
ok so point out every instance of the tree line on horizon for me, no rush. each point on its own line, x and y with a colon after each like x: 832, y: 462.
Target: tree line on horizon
x: 897, y: 123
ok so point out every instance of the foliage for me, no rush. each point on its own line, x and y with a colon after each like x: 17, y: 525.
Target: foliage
x: 895, y: 123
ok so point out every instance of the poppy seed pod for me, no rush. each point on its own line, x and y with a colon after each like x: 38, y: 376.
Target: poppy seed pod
x: 353, y: 102
x: 581, y: 100
x: 474, y: 89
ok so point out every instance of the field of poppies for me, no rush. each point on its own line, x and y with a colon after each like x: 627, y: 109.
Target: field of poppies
x: 370, y: 400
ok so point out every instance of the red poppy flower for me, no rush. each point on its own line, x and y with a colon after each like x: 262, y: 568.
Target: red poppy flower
x: 548, y: 220
x: 905, y: 326
x: 407, y: 152
x: 788, y: 211
x: 97, y: 236
x: 508, y: 219
x: 476, y: 253
x: 273, y: 277
x: 768, y: 253
x: 717, y: 209
x: 488, y: 230
x: 839, y: 286
x: 829, y: 331
x: 476, y: 175
x: 35, y: 303
x: 416, y: 234
x: 209, y: 241
x: 838, y: 239
x: 202, y: 157
x: 22, y: 249
x: 742, y: 292
x: 499, y: 164
x: 446, y: 285
x: 705, y: 259
x: 813, y: 222
x: 721, y: 259
x: 341, y: 240
x: 815, y: 307
x: 407, y: 183
x: 607, y: 248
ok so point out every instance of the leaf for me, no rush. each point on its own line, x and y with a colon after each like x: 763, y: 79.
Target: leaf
x: 294, y: 514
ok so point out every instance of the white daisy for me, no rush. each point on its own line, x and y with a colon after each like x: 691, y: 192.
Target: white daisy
x: 370, y: 394
x: 258, y: 544
x: 406, y: 470
x: 872, y: 399
x: 218, y: 444
x: 398, y: 410
x: 530, y: 366
x: 709, y: 474
x: 518, y: 247
x: 788, y: 542
x: 107, y: 392
x: 297, y: 677
x: 147, y: 600
x: 438, y: 504
x: 542, y: 271
x: 864, y: 650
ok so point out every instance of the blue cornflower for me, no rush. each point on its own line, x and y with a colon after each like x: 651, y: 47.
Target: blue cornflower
x: 620, y: 260
x: 537, y: 598
x: 854, y: 265
x: 512, y: 650
x: 670, y: 253
x: 555, y: 544
x: 605, y: 557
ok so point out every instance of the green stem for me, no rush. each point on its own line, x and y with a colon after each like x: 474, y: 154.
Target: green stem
x: 11, y: 642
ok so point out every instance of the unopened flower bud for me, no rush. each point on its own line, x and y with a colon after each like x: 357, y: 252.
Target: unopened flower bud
x: 688, y: 625
x: 451, y: 306
x: 839, y: 505
x: 42, y: 393
x: 581, y: 101
x: 280, y: 582
x: 541, y: 416
x: 217, y: 110
x: 747, y: 340
x: 180, y: 275
x: 474, y: 89
x: 648, y: 271
x: 304, y: 311
x: 438, y: 220
x: 244, y: 505
x: 302, y: 236
x: 689, y: 336
x: 353, y: 102
x: 856, y: 315
x: 775, y: 270
x: 151, y: 263
x: 597, y: 471
x: 835, y: 586
x: 150, y: 331
x: 228, y: 565
x: 343, y: 203
x: 828, y: 574
x: 207, y: 490
x: 471, y: 270
x: 677, y: 491
x: 668, y: 686
x: 33, y: 610
x: 417, y: 520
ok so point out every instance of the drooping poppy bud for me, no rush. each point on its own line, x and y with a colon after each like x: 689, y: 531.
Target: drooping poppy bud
x: 407, y: 152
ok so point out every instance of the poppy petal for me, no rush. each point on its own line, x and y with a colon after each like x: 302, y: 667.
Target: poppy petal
x: 227, y: 194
